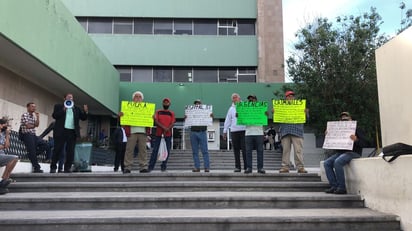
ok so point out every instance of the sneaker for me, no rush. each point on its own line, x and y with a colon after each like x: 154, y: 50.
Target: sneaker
x: 126, y: 171
x: 331, y: 190
x: 284, y: 170
x: 144, y: 171
x: 340, y: 191
x: 302, y: 170
x: 261, y: 171
x: 5, y: 183
x: 196, y: 170
x: 237, y: 170
x: 207, y: 170
x: 248, y: 170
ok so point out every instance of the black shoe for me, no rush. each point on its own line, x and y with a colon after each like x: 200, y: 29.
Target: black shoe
x: 163, y: 169
x: 237, y: 170
x: 67, y: 171
x: 116, y: 169
x: 144, y: 171
x: 37, y: 171
x: 126, y: 171
x: 53, y: 170
x: 331, y: 190
x: 207, y: 170
x: 5, y: 183
x: 261, y: 171
x: 3, y: 191
x: 60, y: 171
x: 340, y: 191
x: 196, y: 170
x: 248, y: 170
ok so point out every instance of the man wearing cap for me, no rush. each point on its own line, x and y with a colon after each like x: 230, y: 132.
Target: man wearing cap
x: 9, y: 161
x: 237, y: 132
x: 292, y: 134
x: 135, y: 134
x: 164, y: 120
x: 198, y: 139
x: 335, y: 163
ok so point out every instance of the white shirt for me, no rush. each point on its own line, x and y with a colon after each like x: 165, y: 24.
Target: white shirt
x: 231, y: 121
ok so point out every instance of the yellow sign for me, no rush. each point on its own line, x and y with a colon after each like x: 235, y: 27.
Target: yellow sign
x: 289, y: 111
x: 137, y: 113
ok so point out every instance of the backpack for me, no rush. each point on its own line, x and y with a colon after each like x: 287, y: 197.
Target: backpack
x: 395, y: 150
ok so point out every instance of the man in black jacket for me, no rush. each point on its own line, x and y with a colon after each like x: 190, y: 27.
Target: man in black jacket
x: 66, y: 131
x: 335, y: 163
x: 119, y: 140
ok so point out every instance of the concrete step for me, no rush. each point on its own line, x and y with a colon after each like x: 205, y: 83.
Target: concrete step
x: 177, y: 200
x: 199, y: 219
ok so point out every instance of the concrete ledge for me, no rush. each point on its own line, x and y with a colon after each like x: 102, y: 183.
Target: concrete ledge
x: 386, y: 187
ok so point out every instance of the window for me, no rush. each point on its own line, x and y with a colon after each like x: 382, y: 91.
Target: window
x: 227, y: 27
x: 163, y: 74
x: 142, y: 74
x: 183, y: 26
x: 205, y: 75
x: 100, y: 25
x: 83, y: 22
x: 163, y: 26
x: 123, y: 26
x: 246, y: 27
x: 143, y: 26
x: 205, y: 27
x: 125, y: 73
x: 182, y: 74
x: 227, y: 75
x: 247, y: 75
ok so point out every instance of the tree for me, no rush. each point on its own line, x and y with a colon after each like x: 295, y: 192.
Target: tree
x: 407, y: 21
x: 333, y: 67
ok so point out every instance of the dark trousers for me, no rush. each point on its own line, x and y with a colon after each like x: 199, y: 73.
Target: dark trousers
x: 238, y: 143
x: 69, y: 138
x: 119, y: 158
x: 30, y: 140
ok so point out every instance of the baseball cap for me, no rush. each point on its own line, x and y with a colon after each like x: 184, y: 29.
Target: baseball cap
x: 197, y: 101
x: 166, y: 99
x: 288, y: 93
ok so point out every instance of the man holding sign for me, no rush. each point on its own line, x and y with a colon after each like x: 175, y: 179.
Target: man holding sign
x: 335, y: 163
x: 137, y: 115
x: 291, y: 132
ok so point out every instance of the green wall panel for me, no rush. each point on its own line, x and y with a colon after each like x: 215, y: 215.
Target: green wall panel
x: 164, y: 8
x: 218, y: 95
x: 49, y: 32
x: 179, y: 50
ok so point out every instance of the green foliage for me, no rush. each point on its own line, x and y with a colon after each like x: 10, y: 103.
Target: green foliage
x: 406, y: 21
x: 334, y: 68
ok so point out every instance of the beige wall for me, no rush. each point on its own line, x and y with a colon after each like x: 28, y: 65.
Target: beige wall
x: 270, y: 40
x: 394, y: 72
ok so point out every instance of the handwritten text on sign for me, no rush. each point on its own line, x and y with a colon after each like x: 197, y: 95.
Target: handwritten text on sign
x: 252, y: 113
x: 198, y: 115
x: 137, y: 113
x: 289, y: 111
x: 338, y: 135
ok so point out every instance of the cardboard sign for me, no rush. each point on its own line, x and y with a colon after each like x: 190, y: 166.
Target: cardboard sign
x: 289, y: 111
x: 338, y: 135
x: 137, y: 113
x: 252, y: 113
x: 198, y: 115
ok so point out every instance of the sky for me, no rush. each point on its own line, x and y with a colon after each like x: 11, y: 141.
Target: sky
x: 296, y: 14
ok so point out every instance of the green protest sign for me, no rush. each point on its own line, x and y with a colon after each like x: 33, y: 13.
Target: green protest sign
x: 252, y: 113
x: 137, y: 113
x: 289, y: 111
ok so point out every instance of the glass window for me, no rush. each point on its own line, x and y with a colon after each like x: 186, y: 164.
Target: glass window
x: 247, y: 78
x: 100, y: 25
x: 142, y: 74
x: 205, y: 27
x: 227, y: 75
x: 162, y: 74
x: 182, y: 74
x: 123, y: 26
x: 247, y: 74
x: 125, y: 73
x: 83, y: 22
x: 183, y: 26
x: 143, y: 26
x: 163, y: 26
x: 205, y: 75
x: 246, y: 27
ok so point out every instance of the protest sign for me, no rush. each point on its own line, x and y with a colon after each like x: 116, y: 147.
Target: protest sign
x: 289, y: 111
x: 252, y: 113
x: 338, y: 135
x: 137, y: 113
x: 198, y: 115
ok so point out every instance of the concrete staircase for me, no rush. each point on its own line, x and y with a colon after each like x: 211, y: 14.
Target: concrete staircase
x: 179, y: 200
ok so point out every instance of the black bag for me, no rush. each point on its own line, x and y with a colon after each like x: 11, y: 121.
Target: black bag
x: 395, y: 150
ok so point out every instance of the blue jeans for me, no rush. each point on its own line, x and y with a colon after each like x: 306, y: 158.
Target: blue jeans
x: 334, y: 168
x: 156, y: 145
x: 199, y: 139
x: 257, y: 142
